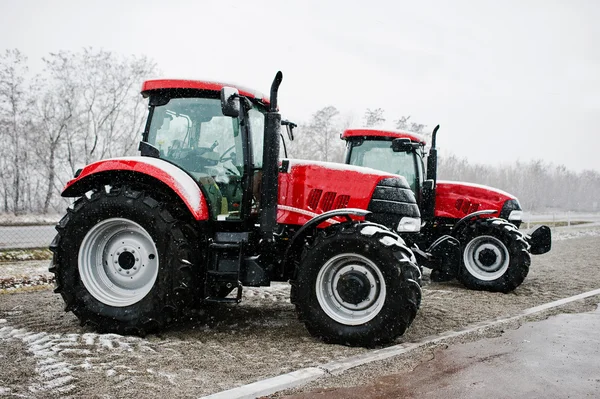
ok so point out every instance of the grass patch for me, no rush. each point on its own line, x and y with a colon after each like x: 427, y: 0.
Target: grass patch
x: 12, y: 255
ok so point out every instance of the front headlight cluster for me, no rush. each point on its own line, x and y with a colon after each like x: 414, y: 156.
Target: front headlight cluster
x: 511, y: 211
x: 409, y: 225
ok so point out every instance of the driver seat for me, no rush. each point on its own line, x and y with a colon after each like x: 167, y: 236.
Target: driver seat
x: 217, y: 203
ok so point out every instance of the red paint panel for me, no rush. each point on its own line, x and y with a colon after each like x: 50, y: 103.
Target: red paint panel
x: 396, y: 134
x: 182, y: 184
x: 355, y: 184
x: 456, y: 199
x: 200, y: 85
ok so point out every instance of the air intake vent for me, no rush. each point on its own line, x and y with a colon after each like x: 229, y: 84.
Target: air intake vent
x: 313, y: 198
x: 466, y: 206
x: 328, y: 199
x: 342, y: 201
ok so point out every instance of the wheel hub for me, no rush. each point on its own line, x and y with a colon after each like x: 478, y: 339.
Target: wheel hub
x: 117, y: 262
x: 354, y: 287
x: 126, y: 260
x: 350, y: 289
x: 487, y: 257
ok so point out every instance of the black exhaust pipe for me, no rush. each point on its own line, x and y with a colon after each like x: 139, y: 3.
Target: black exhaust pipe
x: 432, y: 157
x: 270, y: 169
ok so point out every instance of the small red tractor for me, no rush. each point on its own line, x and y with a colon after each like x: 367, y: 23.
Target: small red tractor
x: 208, y: 207
x: 490, y: 253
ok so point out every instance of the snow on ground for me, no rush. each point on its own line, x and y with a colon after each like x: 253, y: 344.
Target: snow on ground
x: 233, y: 345
x: 57, y: 355
x: 567, y: 234
x: 8, y: 219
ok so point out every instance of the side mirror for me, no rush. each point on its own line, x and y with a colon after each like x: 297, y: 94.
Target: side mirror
x: 289, y: 127
x: 230, y: 102
x: 402, y: 145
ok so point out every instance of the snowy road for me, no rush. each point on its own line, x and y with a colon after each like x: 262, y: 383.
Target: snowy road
x: 26, y: 236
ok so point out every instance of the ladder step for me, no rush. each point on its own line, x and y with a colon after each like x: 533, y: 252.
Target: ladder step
x: 224, y: 245
x: 221, y: 300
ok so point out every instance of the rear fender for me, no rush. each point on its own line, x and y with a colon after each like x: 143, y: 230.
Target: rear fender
x: 145, y: 170
x: 294, y: 248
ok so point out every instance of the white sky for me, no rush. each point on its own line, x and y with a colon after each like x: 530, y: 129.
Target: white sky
x: 506, y: 80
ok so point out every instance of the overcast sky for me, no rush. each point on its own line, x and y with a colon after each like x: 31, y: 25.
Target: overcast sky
x: 506, y: 80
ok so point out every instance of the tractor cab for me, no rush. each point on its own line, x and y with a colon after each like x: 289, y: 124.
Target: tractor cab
x: 223, y: 153
x: 397, y: 152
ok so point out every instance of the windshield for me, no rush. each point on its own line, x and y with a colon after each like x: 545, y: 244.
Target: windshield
x: 194, y: 134
x: 379, y: 155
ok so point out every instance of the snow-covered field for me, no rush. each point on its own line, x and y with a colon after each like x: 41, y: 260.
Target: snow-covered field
x: 45, y: 353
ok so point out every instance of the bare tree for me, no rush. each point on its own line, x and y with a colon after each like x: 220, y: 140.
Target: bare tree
x: 54, y: 111
x: 13, y: 110
x: 374, y: 117
x: 107, y: 109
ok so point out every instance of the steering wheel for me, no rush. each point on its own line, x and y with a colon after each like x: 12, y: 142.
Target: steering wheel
x: 230, y: 158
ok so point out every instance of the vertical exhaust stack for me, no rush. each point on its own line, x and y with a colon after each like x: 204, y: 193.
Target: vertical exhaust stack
x: 432, y: 158
x: 270, y: 175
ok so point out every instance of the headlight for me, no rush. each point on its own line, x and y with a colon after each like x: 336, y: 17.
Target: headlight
x: 408, y: 224
x: 515, y: 215
x: 508, y: 209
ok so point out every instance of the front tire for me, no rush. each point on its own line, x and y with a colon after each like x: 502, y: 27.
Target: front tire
x: 122, y: 262
x: 357, y: 285
x: 495, y: 256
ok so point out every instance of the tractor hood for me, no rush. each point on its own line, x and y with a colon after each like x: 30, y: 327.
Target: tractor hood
x: 309, y: 188
x: 458, y: 199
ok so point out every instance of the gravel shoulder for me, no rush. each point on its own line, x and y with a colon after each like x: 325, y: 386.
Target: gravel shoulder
x: 227, y: 346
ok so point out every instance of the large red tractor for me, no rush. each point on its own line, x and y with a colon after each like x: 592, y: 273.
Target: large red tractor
x: 209, y: 207
x: 490, y: 252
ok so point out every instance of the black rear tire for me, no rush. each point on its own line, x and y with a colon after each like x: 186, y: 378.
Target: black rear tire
x: 352, y: 250
x: 495, y: 256
x: 175, y: 280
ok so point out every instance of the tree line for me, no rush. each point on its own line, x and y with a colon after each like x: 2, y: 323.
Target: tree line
x: 86, y: 106
x: 538, y: 184
x: 82, y: 107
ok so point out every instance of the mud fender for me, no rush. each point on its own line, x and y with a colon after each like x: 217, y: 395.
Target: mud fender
x: 296, y: 244
x: 108, y: 170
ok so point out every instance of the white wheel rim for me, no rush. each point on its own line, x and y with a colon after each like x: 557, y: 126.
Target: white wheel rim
x: 344, y: 269
x: 118, y: 262
x: 480, y: 248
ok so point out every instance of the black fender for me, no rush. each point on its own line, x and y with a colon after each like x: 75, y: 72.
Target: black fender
x: 540, y: 240
x: 462, y: 223
x: 296, y: 244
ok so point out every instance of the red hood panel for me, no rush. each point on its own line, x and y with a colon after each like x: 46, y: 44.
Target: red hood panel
x: 309, y: 188
x: 457, y: 199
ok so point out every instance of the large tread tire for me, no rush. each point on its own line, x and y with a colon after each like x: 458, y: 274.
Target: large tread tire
x: 389, y: 254
x: 176, y: 279
x: 514, y: 248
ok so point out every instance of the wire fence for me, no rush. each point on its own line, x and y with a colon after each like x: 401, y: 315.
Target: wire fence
x: 39, y: 235
x: 24, y: 237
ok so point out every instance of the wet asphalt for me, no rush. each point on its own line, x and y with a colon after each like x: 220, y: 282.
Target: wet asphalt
x: 555, y: 358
